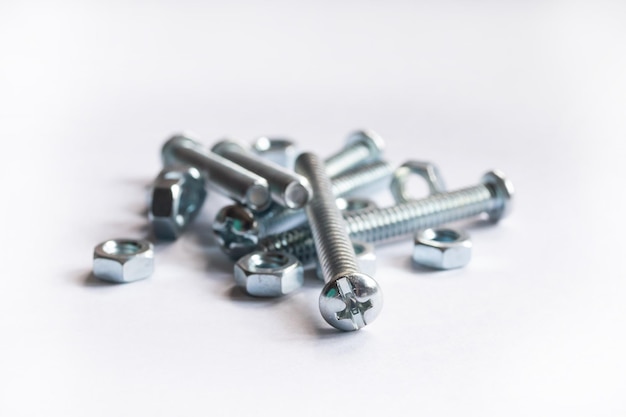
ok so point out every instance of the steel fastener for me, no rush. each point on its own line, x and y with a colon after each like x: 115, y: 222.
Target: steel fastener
x: 269, y: 274
x: 286, y: 188
x: 442, y: 248
x: 493, y: 196
x: 177, y: 196
x: 123, y: 260
x: 239, y: 229
x: 350, y: 299
x: 225, y: 176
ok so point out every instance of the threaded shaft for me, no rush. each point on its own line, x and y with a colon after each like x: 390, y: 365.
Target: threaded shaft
x: 346, y: 158
x: 390, y: 222
x: 407, y: 218
x: 328, y: 227
x: 363, y: 177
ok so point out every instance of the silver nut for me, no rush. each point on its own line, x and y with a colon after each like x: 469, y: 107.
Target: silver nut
x: 177, y: 196
x: 123, y: 260
x: 365, y: 259
x: 269, y: 274
x: 281, y: 151
x: 426, y: 170
x: 442, y: 248
x: 355, y: 204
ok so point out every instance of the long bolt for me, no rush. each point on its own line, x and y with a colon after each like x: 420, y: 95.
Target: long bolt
x: 350, y: 299
x: 239, y: 229
x: 287, y: 188
x: 493, y: 196
x: 225, y: 176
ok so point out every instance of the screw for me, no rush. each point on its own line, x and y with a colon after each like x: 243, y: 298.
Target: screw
x: 350, y: 299
x: 361, y: 147
x: 225, y: 176
x: 287, y: 188
x: 493, y: 196
x: 239, y: 229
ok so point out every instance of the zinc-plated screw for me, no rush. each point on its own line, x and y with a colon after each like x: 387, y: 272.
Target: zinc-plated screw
x: 361, y: 147
x: 350, y: 299
x: 240, y: 229
x: 493, y: 196
x: 286, y: 187
x: 225, y: 176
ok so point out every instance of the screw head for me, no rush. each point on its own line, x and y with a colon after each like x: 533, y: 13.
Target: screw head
x: 351, y: 302
x: 237, y: 230
x: 503, y: 190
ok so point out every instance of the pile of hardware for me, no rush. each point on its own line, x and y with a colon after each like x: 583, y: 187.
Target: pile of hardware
x: 294, y: 210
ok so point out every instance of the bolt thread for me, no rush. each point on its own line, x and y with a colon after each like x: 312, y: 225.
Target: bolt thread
x: 347, y: 158
x: 369, y: 176
x: 391, y: 222
x: 407, y: 218
x: 364, y: 177
x: 328, y: 227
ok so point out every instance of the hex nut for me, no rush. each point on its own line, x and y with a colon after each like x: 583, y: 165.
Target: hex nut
x: 442, y: 248
x: 365, y: 258
x: 123, y: 260
x: 278, y: 150
x: 178, y: 194
x: 269, y: 274
x: 426, y: 170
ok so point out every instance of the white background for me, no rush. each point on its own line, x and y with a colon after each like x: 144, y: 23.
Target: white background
x: 533, y: 326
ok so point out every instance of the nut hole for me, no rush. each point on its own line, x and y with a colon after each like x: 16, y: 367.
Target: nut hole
x: 443, y: 235
x: 268, y: 261
x: 125, y: 247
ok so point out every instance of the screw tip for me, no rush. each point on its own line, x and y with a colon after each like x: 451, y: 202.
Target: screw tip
x: 351, y: 302
x: 179, y: 140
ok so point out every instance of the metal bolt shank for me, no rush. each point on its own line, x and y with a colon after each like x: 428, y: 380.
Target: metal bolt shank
x: 225, y: 176
x: 401, y: 220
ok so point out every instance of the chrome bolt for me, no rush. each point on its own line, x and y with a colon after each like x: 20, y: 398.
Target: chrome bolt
x: 286, y: 188
x: 361, y: 147
x: 350, y: 299
x: 493, y: 196
x: 225, y: 176
x: 239, y: 229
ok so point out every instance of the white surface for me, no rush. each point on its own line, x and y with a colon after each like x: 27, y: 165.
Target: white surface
x: 533, y: 326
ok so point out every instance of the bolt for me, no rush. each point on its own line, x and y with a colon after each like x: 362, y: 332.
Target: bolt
x: 350, y: 299
x: 361, y: 147
x: 493, y: 196
x: 225, y: 176
x: 239, y: 229
x: 287, y: 188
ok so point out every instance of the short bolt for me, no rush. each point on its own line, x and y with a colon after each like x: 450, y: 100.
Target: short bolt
x: 350, y: 299
x: 287, y: 188
x: 361, y: 147
x: 225, y: 176
x: 493, y: 197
